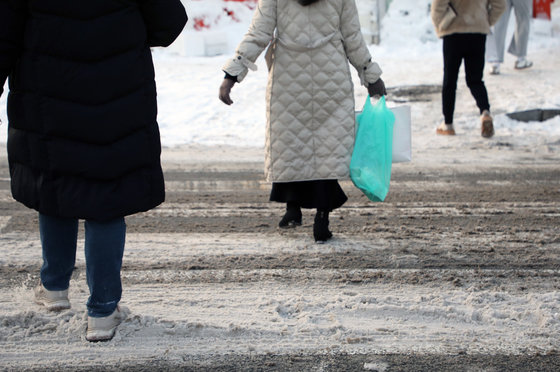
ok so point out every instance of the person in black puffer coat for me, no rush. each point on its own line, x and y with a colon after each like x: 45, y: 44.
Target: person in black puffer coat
x: 83, y: 140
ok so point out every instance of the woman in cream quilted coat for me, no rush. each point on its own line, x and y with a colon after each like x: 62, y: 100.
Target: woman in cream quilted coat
x: 310, y: 99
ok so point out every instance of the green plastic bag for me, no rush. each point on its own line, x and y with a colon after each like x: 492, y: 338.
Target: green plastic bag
x: 370, y: 167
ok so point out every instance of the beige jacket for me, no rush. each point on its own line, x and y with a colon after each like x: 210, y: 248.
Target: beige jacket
x: 310, y: 96
x: 473, y: 16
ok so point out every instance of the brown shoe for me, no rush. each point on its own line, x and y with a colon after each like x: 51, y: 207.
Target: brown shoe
x: 487, y: 124
x: 445, y: 129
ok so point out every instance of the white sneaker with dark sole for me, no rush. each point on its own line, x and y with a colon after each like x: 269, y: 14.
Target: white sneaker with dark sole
x: 51, y: 300
x: 522, y: 64
x: 104, y: 328
x: 495, y: 70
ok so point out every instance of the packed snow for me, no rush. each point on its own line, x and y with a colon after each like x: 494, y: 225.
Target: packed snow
x: 281, y: 310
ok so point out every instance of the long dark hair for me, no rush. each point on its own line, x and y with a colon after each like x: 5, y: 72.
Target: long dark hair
x: 306, y: 2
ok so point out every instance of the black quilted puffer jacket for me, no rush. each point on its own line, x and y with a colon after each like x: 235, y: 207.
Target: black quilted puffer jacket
x: 83, y: 139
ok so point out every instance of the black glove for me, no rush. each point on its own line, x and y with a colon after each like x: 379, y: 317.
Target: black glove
x: 377, y: 88
x: 225, y: 90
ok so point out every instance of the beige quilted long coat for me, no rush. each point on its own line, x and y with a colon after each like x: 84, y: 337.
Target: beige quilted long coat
x: 310, y: 96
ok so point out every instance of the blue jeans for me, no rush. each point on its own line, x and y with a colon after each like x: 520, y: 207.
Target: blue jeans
x: 104, y: 248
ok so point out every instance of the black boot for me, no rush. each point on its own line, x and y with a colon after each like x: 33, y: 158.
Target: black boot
x: 292, y: 218
x: 321, y: 231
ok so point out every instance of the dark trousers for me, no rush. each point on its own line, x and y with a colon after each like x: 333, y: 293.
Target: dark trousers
x: 456, y: 48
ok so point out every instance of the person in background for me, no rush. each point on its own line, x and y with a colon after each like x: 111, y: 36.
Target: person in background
x: 496, y: 42
x: 83, y: 141
x: 310, y: 99
x: 463, y: 25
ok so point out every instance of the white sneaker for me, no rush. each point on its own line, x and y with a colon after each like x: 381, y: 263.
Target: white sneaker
x: 103, y: 329
x: 51, y: 300
x: 522, y: 63
x: 495, y: 68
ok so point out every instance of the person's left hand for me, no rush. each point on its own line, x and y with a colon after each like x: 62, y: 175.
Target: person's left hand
x: 377, y: 88
x: 225, y: 90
